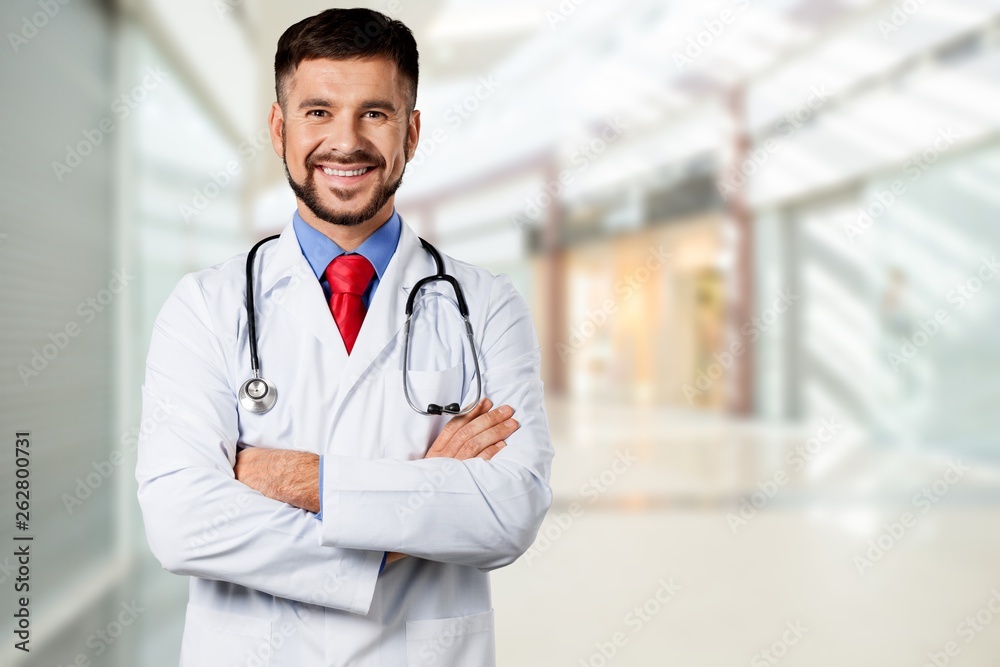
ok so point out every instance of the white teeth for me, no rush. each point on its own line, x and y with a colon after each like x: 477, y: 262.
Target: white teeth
x: 339, y: 172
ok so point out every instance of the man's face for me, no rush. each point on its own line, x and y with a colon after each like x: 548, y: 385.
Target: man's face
x: 345, y: 137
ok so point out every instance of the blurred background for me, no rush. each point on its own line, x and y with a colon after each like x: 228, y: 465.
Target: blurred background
x: 759, y: 239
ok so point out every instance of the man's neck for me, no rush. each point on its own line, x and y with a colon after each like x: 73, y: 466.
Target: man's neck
x: 347, y: 237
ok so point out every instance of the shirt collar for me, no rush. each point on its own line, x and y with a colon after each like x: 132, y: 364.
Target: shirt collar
x: 319, y: 250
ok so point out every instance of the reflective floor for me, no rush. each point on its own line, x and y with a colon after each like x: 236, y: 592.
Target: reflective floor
x: 677, y: 540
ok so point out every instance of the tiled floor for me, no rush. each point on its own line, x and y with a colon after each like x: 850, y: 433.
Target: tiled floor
x: 787, y: 581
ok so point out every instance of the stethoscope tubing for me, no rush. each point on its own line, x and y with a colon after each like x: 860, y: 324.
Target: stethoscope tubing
x: 251, y: 313
x: 258, y: 395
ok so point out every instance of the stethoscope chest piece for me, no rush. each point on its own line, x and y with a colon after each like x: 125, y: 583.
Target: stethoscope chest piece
x: 257, y: 395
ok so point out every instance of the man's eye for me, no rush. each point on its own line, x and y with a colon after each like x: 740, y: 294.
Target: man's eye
x: 317, y: 113
x: 375, y: 114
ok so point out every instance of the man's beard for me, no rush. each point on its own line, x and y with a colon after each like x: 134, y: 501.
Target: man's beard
x: 308, y: 193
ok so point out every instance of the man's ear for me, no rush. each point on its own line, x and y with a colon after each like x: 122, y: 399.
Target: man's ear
x: 275, y: 123
x: 413, y: 133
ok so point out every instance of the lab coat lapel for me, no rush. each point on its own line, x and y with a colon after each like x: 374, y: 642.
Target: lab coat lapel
x: 287, y: 282
x: 386, y: 313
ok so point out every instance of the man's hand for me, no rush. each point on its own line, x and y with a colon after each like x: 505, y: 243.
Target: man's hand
x: 285, y: 475
x: 479, y: 434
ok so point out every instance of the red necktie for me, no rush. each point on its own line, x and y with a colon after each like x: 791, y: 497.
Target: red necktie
x: 348, y: 276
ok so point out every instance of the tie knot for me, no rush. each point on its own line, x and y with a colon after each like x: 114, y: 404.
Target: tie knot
x: 349, y: 274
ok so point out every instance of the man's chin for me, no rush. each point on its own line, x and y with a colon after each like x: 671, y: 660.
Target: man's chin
x: 338, y: 212
x: 349, y: 207
x: 355, y: 199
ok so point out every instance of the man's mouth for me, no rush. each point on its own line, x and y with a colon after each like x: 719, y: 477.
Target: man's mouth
x: 345, y: 172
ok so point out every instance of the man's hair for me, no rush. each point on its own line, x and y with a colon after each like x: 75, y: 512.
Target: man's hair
x: 345, y: 34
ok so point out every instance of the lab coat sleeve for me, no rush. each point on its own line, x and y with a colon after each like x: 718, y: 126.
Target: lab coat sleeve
x: 474, y: 512
x: 200, y: 521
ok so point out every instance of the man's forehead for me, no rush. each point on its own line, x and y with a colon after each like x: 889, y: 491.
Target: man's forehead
x: 371, y: 73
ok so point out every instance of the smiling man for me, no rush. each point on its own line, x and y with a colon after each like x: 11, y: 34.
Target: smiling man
x: 353, y: 522
x: 347, y: 167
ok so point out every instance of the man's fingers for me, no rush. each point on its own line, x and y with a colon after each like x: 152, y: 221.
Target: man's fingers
x: 456, y: 423
x: 491, y: 436
x: 490, y: 451
x: 481, y: 424
x: 468, y: 436
x: 442, y: 443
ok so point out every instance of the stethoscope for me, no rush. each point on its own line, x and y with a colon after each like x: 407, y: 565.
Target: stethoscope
x: 258, y: 395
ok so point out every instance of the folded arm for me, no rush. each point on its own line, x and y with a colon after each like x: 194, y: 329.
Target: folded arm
x: 200, y: 521
x: 476, y: 512
x: 293, y: 477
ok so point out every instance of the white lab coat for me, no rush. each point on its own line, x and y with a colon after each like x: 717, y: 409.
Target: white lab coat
x: 275, y: 586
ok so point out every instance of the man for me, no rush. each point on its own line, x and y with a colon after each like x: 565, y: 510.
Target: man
x: 342, y: 527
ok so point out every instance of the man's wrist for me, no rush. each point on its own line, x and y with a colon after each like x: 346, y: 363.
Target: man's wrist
x: 393, y: 556
x: 319, y: 515
x: 304, y: 478
x: 292, y: 477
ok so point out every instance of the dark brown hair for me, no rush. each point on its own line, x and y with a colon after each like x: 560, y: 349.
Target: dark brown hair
x: 346, y: 34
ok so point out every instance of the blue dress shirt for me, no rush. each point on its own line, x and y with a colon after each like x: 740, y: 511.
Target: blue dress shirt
x: 319, y: 251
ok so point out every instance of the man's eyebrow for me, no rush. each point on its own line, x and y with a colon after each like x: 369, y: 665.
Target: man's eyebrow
x: 385, y: 105
x: 382, y: 104
x: 314, y: 102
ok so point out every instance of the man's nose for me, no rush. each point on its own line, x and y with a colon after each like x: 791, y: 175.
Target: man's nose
x: 344, y: 135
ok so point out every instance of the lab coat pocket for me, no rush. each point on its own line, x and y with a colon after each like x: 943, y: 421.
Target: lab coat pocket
x: 452, y: 642
x: 218, y: 639
x: 408, y: 434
